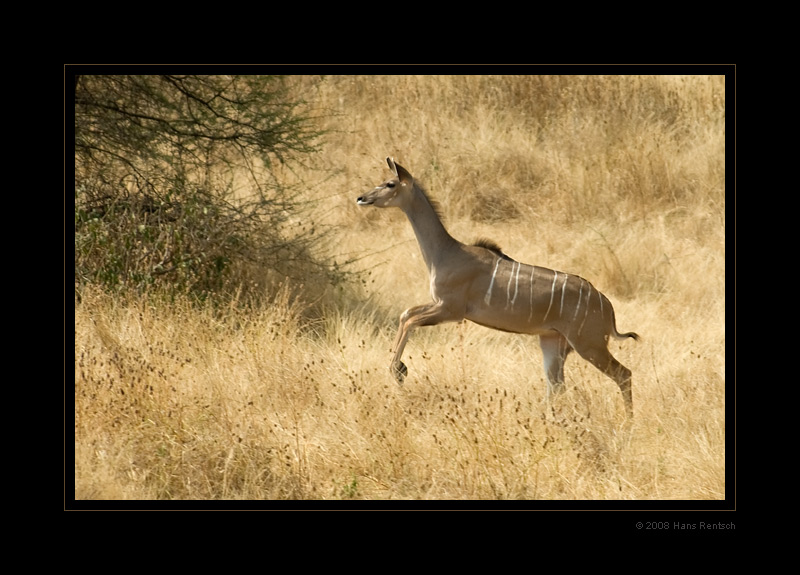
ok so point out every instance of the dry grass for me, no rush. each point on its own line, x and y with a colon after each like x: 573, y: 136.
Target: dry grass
x: 618, y: 179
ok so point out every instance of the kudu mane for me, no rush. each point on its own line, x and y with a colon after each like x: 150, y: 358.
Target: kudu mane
x: 480, y: 242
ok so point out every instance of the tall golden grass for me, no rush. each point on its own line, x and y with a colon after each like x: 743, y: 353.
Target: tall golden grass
x: 620, y: 179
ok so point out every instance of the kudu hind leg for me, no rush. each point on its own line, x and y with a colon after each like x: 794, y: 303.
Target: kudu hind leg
x: 555, y: 349
x: 602, y: 359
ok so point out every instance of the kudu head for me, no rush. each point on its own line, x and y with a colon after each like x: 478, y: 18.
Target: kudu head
x: 393, y: 193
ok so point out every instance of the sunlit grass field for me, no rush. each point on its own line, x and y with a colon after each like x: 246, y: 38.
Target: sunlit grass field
x: 619, y: 179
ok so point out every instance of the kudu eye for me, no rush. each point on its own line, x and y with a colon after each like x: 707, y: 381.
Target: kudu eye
x: 390, y: 184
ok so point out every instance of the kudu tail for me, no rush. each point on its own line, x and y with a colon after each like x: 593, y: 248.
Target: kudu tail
x: 615, y: 334
x: 618, y: 335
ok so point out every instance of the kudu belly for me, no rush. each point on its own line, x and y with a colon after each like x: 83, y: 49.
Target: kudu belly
x: 529, y: 299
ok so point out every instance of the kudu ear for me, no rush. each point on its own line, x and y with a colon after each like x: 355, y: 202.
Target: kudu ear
x: 399, y: 171
x: 404, y: 176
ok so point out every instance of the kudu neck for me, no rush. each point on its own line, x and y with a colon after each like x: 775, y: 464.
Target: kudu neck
x: 433, y: 238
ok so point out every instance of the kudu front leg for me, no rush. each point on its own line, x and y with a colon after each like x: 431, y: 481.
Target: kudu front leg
x: 397, y: 368
x: 421, y: 315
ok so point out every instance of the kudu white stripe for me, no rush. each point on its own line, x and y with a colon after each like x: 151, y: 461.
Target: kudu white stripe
x: 513, y: 277
x: 464, y: 279
x: 552, y: 296
x: 488, y: 298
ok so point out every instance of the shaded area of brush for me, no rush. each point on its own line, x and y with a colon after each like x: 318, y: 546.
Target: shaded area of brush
x: 186, y: 185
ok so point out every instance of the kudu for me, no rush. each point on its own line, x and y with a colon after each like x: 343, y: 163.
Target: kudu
x: 482, y: 284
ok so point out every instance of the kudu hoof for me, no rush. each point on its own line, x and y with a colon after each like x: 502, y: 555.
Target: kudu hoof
x: 399, y: 371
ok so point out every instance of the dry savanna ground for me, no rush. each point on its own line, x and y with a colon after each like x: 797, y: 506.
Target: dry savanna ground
x: 618, y: 179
